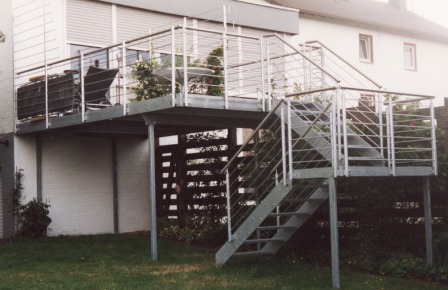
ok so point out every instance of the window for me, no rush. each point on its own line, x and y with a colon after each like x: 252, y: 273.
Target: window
x: 410, y: 60
x: 365, y: 48
x: 99, y: 58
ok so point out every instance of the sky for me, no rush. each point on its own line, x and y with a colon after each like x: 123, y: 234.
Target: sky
x: 434, y: 10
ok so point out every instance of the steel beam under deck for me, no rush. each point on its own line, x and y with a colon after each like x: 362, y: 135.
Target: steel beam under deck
x: 203, y: 113
x: 363, y: 171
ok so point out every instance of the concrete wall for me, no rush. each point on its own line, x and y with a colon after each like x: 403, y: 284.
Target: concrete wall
x: 387, y: 68
x: 6, y: 186
x: 77, y: 181
x: 133, y: 186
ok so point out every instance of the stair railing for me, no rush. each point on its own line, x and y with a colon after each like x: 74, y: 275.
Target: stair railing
x: 329, y: 57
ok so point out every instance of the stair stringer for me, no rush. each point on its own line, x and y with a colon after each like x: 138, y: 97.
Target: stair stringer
x: 261, y: 212
x: 315, y: 200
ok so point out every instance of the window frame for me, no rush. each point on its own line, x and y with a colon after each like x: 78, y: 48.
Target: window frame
x: 413, y: 51
x: 368, y: 40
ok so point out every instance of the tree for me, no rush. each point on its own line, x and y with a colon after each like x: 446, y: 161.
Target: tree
x: 2, y: 37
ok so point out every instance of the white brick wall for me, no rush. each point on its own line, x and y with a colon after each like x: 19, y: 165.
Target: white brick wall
x: 77, y: 180
x: 133, y: 186
x: 25, y: 158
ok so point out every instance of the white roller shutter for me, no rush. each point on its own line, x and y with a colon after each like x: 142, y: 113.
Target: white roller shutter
x: 89, y: 22
x: 133, y: 23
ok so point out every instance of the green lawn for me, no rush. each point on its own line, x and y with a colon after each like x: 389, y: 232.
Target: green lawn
x: 124, y: 262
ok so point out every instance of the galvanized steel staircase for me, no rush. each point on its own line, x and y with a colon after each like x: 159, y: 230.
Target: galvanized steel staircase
x: 286, y: 170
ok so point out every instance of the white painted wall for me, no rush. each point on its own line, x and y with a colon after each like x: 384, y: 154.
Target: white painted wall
x: 6, y: 69
x: 25, y: 158
x: 133, y: 185
x: 77, y: 182
x: 388, y: 70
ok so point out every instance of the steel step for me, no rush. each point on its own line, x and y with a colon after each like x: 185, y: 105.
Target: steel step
x: 289, y: 214
x: 259, y: 241
x: 366, y: 158
x: 269, y: 228
x: 293, y: 200
x: 252, y: 254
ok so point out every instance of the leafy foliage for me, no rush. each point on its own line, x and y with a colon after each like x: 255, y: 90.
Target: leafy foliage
x: 149, y: 86
x: 34, y: 219
x: 2, y: 37
x: 16, y: 196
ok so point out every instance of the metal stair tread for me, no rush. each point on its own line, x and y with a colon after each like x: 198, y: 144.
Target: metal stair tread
x: 366, y: 158
x: 294, y: 200
x: 268, y: 228
x: 251, y: 253
x: 280, y: 214
x: 258, y: 241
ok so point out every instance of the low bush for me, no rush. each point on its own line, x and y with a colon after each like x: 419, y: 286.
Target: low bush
x: 34, y: 219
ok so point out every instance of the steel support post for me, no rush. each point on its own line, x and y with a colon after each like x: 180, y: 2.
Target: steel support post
x: 229, y: 213
x: 152, y: 190
x: 39, y: 141
x: 428, y: 219
x: 334, y: 233
x: 115, y: 184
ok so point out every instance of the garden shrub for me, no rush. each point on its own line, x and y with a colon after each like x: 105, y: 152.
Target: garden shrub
x: 34, y: 219
x: 441, y: 249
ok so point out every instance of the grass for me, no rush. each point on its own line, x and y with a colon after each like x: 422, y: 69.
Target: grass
x: 124, y: 262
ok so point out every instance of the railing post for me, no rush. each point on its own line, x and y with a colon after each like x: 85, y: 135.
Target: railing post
x: 185, y: 61
x: 225, y: 68
x: 229, y: 213
x: 344, y: 131
x: 282, y: 120
x: 391, y: 136
x: 268, y: 62
x: 46, y: 96
x: 433, y: 138
x: 338, y: 124
x: 334, y: 131
x: 47, y: 123
x: 173, y: 66
x: 81, y: 76
x: 289, y: 131
x: 263, y: 82
x: 380, y: 118
x: 124, y: 77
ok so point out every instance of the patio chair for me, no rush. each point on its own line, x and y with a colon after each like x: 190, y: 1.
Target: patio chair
x: 97, y: 82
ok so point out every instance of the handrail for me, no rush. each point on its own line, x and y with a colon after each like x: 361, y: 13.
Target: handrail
x: 310, y: 92
x: 387, y: 92
x: 346, y: 62
x: 97, y: 50
x: 305, y: 57
x: 251, y: 136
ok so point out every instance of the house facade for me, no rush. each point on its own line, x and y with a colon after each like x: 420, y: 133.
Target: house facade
x: 95, y: 183
x: 398, y: 49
